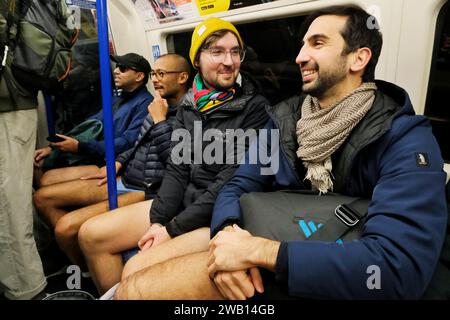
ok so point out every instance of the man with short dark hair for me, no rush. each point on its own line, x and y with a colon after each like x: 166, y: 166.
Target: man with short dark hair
x: 346, y: 133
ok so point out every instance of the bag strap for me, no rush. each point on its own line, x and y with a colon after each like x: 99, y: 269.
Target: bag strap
x: 346, y: 217
x: 8, y: 10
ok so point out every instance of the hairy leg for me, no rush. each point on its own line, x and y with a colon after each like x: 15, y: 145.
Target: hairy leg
x: 181, y: 278
x: 188, y: 243
x: 52, y: 202
x: 66, y: 174
x: 104, y: 237
x: 66, y: 229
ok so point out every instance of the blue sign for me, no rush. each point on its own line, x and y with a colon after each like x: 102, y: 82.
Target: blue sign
x: 156, y: 52
x: 84, y: 4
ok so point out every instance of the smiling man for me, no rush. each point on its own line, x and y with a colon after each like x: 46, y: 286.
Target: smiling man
x: 347, y: 133
x: 221, y: 98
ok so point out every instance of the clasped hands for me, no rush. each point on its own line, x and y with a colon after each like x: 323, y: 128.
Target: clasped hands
x: 230, y: 264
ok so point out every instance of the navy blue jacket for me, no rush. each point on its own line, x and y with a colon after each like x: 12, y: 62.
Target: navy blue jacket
x: 127, y: 120
x: 404, y: 230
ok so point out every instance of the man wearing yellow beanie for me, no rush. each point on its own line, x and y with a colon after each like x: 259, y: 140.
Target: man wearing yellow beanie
x: 220, y: 99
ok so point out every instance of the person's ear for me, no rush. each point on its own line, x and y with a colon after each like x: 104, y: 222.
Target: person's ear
x: 183, y: 77
x: 360, y: 59
x: 140, y: 76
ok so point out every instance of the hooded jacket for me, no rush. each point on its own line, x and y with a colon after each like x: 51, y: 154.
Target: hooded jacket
x: 391, y: 157
x: 186, y: 198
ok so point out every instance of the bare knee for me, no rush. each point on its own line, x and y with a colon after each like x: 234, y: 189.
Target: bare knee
x: 132, y: 266
x: 66, y: 229
x: 88, y: 238
x: 42, y: 198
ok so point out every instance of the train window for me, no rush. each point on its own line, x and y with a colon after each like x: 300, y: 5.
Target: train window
x: 271, y: 49
x: 436, y: 108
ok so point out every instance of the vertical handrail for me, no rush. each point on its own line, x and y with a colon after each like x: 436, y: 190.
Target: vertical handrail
x: 105, y: 77
x: 49, y: 114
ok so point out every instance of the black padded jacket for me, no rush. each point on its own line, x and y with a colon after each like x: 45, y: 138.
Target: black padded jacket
x: 186, y: 198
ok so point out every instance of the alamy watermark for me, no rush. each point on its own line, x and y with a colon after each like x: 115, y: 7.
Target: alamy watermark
x: 214, y: 146
x: 374, y: 21
x: 74, y: 280
x: 374, y: 280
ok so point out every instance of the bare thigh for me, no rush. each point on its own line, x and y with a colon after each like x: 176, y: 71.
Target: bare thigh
x: 78, y: 217
x: 119, y: 229
x: 188, y: 243
x: 182, y: 278
x: 75, y: 193
x: 66, y: 174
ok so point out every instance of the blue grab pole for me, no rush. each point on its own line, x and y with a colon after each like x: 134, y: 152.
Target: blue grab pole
x: 105, y: 77
x: 49, y: 114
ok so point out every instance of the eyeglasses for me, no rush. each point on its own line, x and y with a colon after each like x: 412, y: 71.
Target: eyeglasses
x: 218, y: 54
x: 159, y: 74
x: 123, y: 68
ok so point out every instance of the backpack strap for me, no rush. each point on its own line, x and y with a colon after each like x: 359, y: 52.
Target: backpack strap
x: 6, y: 37
x: 15, y: 11
x: 346, y: 217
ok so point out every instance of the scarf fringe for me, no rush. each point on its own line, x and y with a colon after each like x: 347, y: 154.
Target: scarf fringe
x: 320, y: 175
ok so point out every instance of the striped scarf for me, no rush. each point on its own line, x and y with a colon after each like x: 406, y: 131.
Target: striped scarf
x: 320, y: 132
x: 209, y: 100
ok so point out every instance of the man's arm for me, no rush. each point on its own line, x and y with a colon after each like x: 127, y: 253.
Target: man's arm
x: 160, y: 135
x: 403, y: 232
x: 125, y: 140
x: 171, y: 193
x: 247, y: 178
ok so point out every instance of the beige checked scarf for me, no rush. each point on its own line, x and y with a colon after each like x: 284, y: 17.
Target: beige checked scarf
x: 320, y: 132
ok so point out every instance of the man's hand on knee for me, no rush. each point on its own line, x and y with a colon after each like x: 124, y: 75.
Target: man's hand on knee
x: 155, y: 235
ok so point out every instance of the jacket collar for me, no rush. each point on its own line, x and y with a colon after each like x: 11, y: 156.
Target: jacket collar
x: 126, y: 95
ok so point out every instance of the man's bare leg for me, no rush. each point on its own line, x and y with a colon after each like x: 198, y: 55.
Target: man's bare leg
x: 104, y: 237
x: 188, y: 243
x: 66, y: 174
x: 53, y: 202
x: 181, y: 278
x: 66, y: 229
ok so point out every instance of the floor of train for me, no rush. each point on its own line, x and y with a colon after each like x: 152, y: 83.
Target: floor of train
x: 55, y: 264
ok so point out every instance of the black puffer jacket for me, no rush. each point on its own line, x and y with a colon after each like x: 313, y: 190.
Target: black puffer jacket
x: 186, y: 198
x: 143, y: 165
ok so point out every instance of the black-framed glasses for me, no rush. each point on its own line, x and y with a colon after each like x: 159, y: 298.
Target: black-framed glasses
x: 219, y: 54
x: 159, y: 74
x: 123, y: 68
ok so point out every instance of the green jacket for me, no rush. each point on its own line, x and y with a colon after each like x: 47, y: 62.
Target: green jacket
x: 13, y: 96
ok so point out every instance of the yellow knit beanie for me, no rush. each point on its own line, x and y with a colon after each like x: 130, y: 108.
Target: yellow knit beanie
x: 204, y: 29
